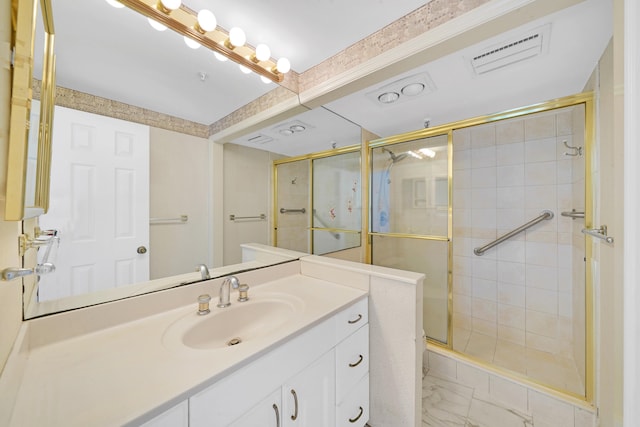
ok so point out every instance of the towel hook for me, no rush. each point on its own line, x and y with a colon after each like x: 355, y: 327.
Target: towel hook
x: 577, y: 151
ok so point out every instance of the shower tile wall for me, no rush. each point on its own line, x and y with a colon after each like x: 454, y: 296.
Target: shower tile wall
x: 293, y: 193
x: 515, y: 306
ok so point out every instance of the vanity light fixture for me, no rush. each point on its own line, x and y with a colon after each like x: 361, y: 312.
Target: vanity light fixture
x: 237, y: 38
x: 201, y: 28
x: 156, y: 25
x: 168, y: 6
x: 191, y: 43
x: 220, y: 57
x: 115, y: 3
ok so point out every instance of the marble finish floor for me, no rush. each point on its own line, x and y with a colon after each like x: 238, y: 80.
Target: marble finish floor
x: 555, y: 370
x: 446, y: 403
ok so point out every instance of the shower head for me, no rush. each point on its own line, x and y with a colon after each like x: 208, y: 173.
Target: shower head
x: 393, y: 157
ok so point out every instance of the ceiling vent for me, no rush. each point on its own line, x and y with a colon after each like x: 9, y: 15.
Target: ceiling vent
x: 259, y: 139
x: 517, y: 49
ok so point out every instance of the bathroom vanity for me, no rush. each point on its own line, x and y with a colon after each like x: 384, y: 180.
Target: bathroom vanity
x: 320, y: 342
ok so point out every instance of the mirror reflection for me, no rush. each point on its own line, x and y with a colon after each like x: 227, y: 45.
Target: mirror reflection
x: 136, y: 204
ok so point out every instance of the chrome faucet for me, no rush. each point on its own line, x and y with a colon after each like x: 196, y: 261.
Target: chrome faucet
x: 225, y: 290
x: 204, y: 272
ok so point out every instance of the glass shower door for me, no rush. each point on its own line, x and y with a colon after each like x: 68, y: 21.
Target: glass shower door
x: 410, y: 227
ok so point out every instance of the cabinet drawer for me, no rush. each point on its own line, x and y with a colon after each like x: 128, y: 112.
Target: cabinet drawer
x: 352, y: 361
x: 354, y: 410
x: 351, y: 319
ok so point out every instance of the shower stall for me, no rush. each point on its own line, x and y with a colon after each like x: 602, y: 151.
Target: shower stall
x: 492, y: 210
x: 318, y: 205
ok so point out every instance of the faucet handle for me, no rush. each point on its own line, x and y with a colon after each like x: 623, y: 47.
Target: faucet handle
x: 243, y: 292
x: 203, y: 304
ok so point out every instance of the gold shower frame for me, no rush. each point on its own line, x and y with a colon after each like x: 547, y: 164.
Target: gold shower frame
x: 585, y: 98
x: 310, y: 158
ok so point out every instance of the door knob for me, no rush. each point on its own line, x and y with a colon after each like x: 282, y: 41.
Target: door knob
x: 142, y: 250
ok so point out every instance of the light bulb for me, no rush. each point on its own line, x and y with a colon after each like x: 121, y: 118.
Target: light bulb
x: 244, y: 69
x: 115, y: 3
x: 220, y: 57
x: 265, y: 80
x: 263, y: 53
x: 237, y: 37
x: 171, y: 4
x: 156, y: 25
x: 191, y: 43
x: 283, y: 65
x: 207, y: 20
x: 428, y: 152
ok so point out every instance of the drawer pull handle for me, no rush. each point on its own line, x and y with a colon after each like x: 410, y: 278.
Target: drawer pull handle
x: 351, y: 322
x: 353, y: 365
x: 295, y: 405
x: 353, y: 420
x: 275, y: 408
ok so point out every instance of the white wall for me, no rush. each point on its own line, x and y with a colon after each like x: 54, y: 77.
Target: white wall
x: 247, y: 192
x: 181, y: 183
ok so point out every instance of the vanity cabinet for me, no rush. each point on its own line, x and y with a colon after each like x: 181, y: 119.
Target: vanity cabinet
x: 307, y: 399
x: 317, y: 379
x: 267, y: 413
x: 352, y: 379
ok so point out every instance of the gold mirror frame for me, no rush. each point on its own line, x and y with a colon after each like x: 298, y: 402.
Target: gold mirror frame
x: 24, y: 21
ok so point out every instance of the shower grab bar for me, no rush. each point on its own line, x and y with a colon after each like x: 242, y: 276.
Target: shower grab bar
x: 283, y: 210
x: 233, y: 217
x: 324, y: 224
x: 181, y: 219
x: 573, y: 214
x: 546, y: 214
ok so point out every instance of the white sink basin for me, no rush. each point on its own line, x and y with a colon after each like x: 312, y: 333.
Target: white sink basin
x: 242, y: 322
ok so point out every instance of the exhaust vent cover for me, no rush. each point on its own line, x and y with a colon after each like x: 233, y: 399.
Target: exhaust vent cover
x: 259, y: 139
x: 523, y: 47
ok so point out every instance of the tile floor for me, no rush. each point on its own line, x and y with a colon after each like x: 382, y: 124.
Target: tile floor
x: 555, y: 370
x: 446, y: 403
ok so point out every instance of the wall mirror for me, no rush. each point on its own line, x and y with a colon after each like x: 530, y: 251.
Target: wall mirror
x: 76, y: 80
x: 31, y: 121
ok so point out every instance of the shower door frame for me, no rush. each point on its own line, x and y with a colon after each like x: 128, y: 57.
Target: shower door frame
x: 585, y: 98
x: 310, y: 228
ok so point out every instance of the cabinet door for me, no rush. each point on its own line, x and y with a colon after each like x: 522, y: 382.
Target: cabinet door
x: 308, y: 399
x: 178, y: 416
x: 267, y: 413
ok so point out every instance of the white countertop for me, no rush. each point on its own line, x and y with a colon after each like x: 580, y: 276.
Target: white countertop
x: 125, y: 373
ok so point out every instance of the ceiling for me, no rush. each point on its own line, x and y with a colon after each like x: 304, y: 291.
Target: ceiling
x: 114, y: 53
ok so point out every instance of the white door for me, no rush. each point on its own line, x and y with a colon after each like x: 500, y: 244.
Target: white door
x: 99, y: 203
